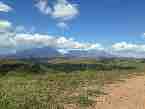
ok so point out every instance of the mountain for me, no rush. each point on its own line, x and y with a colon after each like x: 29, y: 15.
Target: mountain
x: 129, y: 54
x: 88, y: 54
x: 44, y: 52
x: 49, y: 52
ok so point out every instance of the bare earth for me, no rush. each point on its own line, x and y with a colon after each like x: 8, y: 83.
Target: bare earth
x: 129, y: 94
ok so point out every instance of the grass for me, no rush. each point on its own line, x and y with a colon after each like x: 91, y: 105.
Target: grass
x: 22, y: 89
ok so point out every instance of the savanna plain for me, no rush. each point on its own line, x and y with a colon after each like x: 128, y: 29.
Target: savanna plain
x: 61, y: 83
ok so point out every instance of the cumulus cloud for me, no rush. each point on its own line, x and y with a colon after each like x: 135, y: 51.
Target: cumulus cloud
x: 21, y: 41
x: 51, y: 41
x: 7, y: 42
x: 4, y: 7
x: 19, y: 38
x: 124, y: 46
x: 62, y: 11
x: 63, y: 45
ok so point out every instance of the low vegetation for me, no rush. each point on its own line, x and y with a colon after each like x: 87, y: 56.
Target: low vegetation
x: 60, y: 83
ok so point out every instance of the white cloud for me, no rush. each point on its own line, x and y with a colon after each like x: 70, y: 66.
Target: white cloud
x: 10, y: 41
x: 42, y: 5
x: 62, y: 11
x: 63, y: 45
x: 5, y: 24
x: 56, y: 42
x: 7, y: 41
x: 62, y: 25
x: 4, y: 7
x: 20, y: 41
x: 63, y: 51
x: 124, y: 46
x: 33, y: 39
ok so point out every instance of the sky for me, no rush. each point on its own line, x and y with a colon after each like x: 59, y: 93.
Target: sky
x: 116, y: 25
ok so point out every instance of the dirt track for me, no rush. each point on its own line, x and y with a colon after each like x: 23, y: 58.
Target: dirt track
x: 129, y: 94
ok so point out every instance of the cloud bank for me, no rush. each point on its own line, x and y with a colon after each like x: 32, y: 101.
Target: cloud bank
x: 18, y: 38
x: 60, y: 42
x: 124, y: 46
x: 12, y: 41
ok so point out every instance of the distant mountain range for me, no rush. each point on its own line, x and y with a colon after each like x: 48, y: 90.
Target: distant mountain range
x: 88, y: 54
x: 44, y: 52
x: 48, y: 52
x: 129, y: 54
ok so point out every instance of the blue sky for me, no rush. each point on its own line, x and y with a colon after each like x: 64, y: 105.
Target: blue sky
x: 104, y: 22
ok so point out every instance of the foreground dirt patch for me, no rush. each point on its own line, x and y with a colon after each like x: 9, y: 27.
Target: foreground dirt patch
x: 124, y: 95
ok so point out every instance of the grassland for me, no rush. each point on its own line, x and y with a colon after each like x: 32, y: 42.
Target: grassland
x: 60, y: 83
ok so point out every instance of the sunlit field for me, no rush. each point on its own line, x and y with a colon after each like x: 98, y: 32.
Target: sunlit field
x: 61, y: 83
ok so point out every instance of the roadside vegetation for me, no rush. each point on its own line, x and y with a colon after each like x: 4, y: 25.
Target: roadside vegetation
x: 60, y: 83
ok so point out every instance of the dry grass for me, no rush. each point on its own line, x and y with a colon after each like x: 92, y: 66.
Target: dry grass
x: 49, y: 90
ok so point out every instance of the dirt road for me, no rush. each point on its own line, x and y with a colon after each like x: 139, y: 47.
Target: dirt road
x: 129, y: 94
